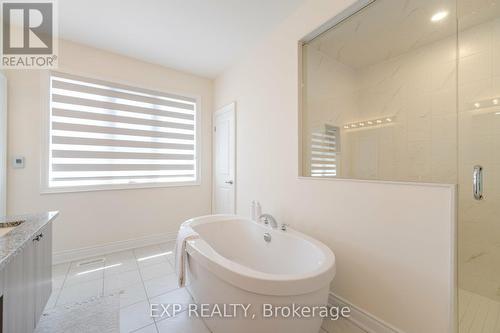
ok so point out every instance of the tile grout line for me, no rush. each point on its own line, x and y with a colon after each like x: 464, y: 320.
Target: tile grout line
x: 497, y: 320
x: 167, y: 292
x: 103, y: 271
x: 63, y: 284
x: 144, y: 286
x: 465, y: 311
x: 104, y: 275
x: 140, y: 328
x: 487, y: 314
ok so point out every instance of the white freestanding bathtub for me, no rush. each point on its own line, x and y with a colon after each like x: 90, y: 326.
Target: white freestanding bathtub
x: 231, y: 263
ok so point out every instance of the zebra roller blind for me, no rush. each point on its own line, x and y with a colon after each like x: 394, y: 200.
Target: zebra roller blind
x: 325, y: 146
x: 104, y: 134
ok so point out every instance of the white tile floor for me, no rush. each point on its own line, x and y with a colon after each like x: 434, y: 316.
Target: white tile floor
x: 142, y: 276
x: 477, y: 314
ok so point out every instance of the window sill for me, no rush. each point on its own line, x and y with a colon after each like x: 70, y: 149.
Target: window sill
x: 75, y: 189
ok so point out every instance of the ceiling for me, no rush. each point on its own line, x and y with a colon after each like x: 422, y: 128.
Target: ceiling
x: 388, y: 28
x: 202, y: 37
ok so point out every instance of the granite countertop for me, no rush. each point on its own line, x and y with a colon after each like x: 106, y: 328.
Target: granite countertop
x: 15, y: 240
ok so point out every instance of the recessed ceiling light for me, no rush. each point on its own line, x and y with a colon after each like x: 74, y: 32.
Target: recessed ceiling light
x: 477, y: 105
x: 495, y: 101
x: 439, y: 16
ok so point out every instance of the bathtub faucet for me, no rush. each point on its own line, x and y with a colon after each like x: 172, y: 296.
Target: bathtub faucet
x: 269, y: 219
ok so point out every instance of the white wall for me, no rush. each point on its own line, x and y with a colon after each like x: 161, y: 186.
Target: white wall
x: 394, y: 242
x: 96, y: 218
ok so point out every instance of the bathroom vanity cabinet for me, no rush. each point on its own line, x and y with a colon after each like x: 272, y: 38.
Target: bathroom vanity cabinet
x: 26, y: 279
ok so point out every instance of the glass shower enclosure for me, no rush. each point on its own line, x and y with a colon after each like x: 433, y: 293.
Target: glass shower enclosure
x: 410, y: 91
x: 478, y: 166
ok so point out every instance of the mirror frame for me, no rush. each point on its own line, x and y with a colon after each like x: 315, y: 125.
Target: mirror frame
x: 345, y: 14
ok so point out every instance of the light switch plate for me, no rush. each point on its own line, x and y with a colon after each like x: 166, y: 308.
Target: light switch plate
x: 18, y: 162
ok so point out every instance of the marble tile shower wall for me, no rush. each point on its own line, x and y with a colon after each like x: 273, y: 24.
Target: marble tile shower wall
x: 479, y: 131
x: 418, y: 89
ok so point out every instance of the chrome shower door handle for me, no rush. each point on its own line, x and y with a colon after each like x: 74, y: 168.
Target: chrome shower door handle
x: 477, y: 182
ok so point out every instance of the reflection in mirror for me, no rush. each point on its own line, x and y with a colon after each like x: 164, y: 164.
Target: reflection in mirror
x: 379, y: 94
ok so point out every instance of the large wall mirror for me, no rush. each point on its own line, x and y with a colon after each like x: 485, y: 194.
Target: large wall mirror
x: 379, y: 94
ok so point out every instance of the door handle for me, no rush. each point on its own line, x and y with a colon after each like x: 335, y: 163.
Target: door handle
x: 477, y: 182
x: 230, y: 182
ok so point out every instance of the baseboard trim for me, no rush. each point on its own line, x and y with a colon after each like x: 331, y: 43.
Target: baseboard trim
x: 93, y: 251
x: 361, y: 318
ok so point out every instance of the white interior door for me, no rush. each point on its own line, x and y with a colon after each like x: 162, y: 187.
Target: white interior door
x: 224, y: 149
x: 3, y: 145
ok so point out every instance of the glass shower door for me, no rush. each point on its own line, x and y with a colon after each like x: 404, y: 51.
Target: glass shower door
x: 479, y: 166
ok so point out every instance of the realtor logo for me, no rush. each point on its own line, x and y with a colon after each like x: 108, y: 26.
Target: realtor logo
x: 28, y: 34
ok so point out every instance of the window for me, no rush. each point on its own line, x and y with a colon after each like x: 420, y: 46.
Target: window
x: 325, y: 146
x: 103, y: 135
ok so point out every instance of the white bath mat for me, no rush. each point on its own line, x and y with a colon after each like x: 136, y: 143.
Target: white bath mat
x: 96, y: 315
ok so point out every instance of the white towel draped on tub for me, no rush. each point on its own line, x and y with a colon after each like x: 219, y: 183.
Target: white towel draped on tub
x: 185, y: 233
